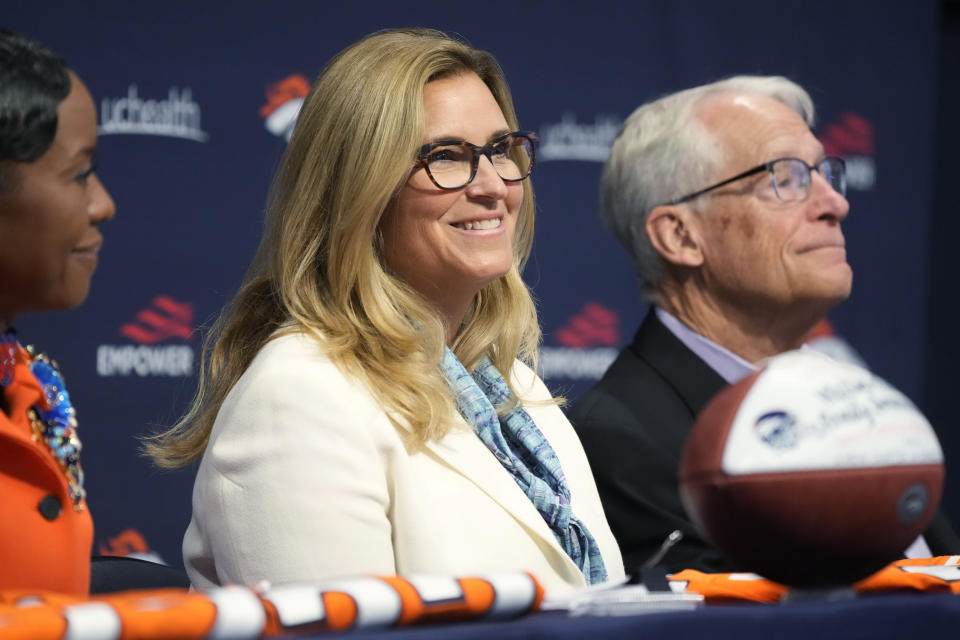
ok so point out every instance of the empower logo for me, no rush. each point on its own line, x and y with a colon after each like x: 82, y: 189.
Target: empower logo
x: 851, y: 137
x: 177, y: 116
x: 593, y: 326
x: 284, y: 100
x: 589, y: 342
x: 165, y: 319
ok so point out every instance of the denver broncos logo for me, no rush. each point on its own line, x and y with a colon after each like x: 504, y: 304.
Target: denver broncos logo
x: 284, y: 100
x: 129, y: 543
x: 125, y: 543
x: 778, y: 429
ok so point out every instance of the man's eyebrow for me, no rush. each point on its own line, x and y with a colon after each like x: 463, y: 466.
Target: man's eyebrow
x: 795, y: 152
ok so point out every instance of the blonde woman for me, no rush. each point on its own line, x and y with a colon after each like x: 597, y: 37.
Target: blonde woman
x: 339, y: 428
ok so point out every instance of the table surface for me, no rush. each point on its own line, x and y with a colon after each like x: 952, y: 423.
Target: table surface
x: 910, y: 616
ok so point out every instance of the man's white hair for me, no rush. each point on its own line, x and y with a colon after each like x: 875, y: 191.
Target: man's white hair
x: 663, y: 152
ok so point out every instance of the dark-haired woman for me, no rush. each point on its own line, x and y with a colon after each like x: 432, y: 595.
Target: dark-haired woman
x: 51, y: 205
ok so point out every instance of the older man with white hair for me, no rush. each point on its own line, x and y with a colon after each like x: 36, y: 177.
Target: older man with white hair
x: 732, y: 213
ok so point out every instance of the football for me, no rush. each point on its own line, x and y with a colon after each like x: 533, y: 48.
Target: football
x: 811, y: 472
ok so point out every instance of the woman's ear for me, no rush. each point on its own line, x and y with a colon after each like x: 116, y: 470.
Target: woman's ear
x: 673, y: 231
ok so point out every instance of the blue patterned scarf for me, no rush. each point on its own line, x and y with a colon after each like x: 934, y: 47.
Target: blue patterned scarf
x: 518, y: 444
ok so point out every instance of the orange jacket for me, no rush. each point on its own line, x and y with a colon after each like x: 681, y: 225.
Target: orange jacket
x: 44, y: 540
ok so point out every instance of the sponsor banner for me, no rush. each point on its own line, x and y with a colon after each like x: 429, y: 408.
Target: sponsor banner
x: 129, y: 543
x: 572, y: 140
x: 589, y: 345
x: 284, y: 100
x: 166, y: 319
x: 851, y: 137
x: 175, y: 116
x: 558, y: 363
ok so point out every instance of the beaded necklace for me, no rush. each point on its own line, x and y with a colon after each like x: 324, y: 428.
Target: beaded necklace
x: 8, y: 356
x: 56, y: 426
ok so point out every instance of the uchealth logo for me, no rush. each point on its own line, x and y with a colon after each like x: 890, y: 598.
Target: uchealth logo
x: 166, y: 321
x: 284, y: 100
x: 175, y: 116
x: 588, y: 345
x: 851, y: 137
x: 572, y: 140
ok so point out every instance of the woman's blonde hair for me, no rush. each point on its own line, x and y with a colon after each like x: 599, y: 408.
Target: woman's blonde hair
x: 319, y: 267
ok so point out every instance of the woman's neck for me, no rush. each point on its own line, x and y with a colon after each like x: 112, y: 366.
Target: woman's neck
x: 453, y: 310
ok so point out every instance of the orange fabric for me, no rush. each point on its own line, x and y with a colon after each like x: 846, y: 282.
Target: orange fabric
x: 31, y: 623
x: 155, y: 613
x: 940, y: 574
x: 27, y: 615
x: 478, y: 596
x: 162, y: 613
x: 341, y: 610
x: 37, y: 553
x: 943, y: 574
x: 719, y: 588
x: 178, y: 613
x: 413, y: 606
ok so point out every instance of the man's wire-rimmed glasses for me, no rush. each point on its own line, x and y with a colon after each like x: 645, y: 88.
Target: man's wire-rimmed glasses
x: 791, y: 178
x: 452, y: 164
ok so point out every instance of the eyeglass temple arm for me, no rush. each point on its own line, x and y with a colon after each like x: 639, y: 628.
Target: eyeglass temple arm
x: 749, y: 172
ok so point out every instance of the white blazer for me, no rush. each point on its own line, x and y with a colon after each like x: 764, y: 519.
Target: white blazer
x: 306, y: 478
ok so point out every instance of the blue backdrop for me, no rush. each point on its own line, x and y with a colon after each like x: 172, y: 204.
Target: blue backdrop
x: 194, y: 100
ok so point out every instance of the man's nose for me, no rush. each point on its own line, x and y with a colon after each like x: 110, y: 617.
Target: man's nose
x: 827, y: 201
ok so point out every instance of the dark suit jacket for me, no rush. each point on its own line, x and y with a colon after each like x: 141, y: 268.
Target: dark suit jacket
x: 633, y: 424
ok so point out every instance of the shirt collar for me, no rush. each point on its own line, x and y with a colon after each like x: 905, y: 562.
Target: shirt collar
x: 727, y: 364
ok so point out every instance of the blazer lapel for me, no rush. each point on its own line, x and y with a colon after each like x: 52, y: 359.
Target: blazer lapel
x: 463, y: 452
